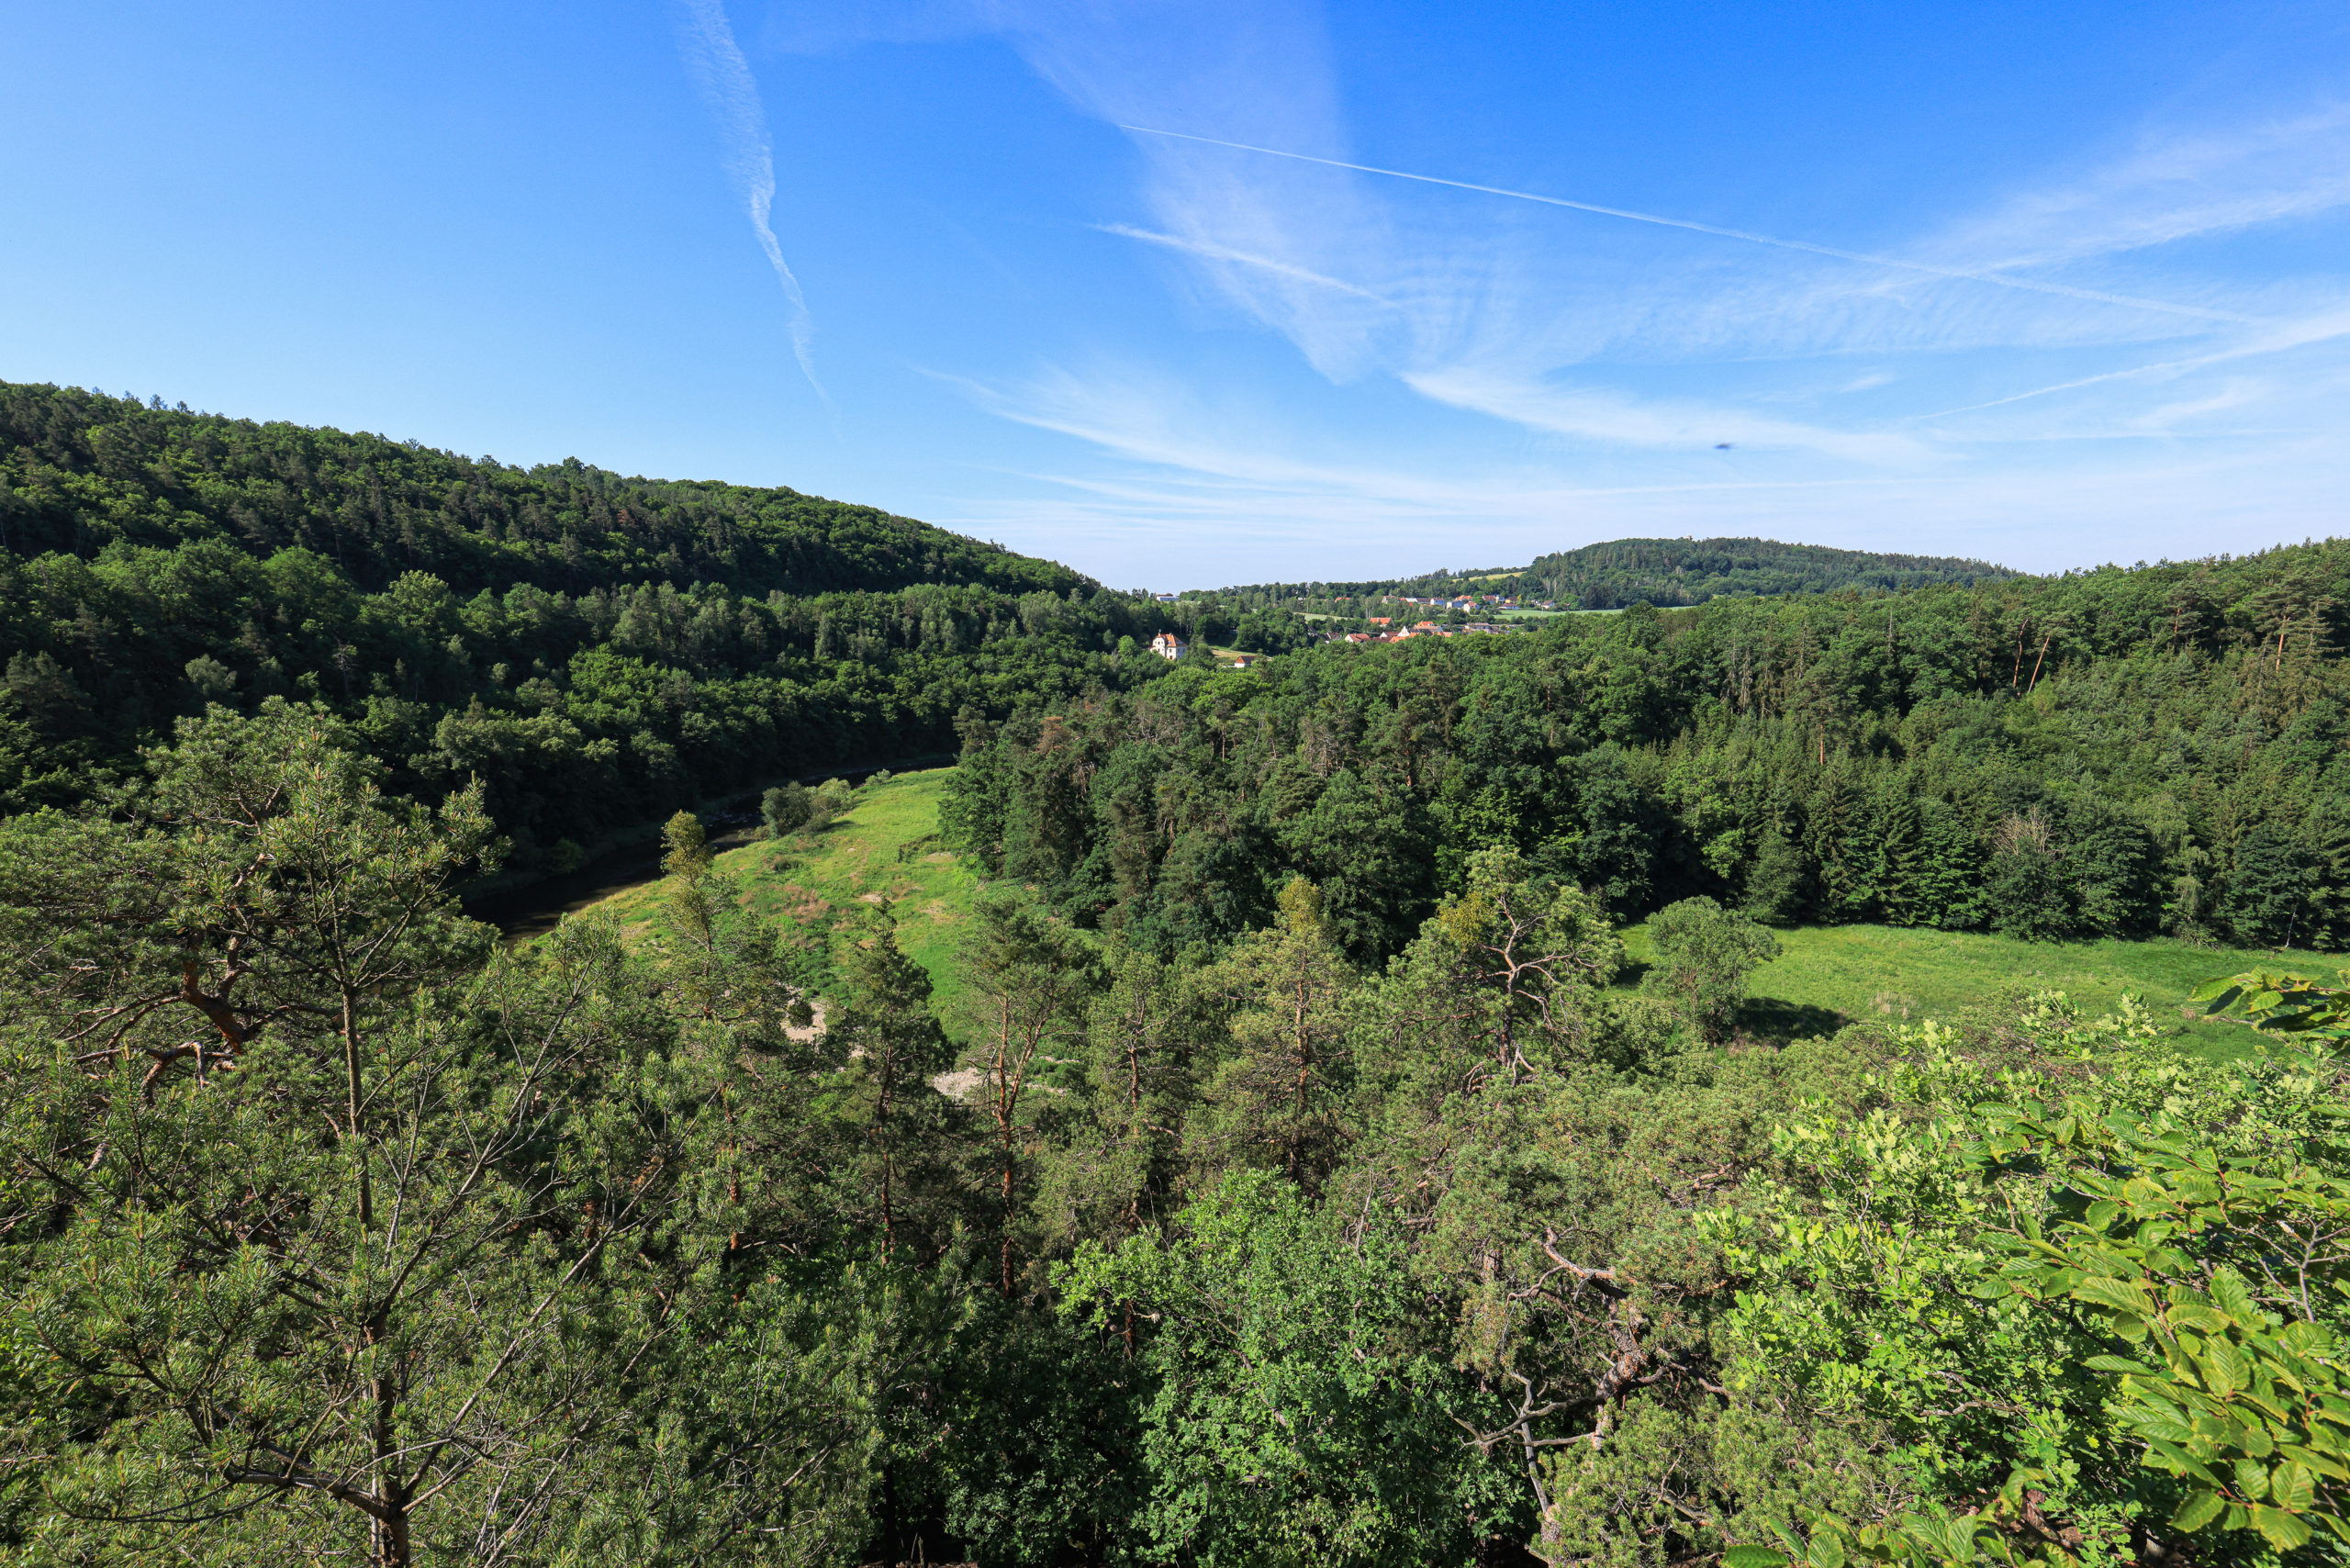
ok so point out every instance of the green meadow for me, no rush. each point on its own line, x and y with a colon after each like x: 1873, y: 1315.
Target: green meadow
x: 886, y: 847
x: 1826, y: 977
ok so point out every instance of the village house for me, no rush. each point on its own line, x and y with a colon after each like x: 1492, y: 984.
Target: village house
x: 1167, y: 646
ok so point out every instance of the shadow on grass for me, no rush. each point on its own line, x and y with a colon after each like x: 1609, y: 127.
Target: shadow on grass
x: 1771, y: 1019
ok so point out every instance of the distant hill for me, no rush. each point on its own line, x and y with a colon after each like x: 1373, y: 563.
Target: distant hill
x: 1691, y: 571
x: 1666, y: 572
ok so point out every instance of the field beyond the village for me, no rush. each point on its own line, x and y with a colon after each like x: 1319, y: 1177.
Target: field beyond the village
x: 1826, y: 977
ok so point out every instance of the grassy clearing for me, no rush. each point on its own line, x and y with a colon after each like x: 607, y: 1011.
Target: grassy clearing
x: 1829, y: 976
x: 1825, y: 978
x: 886, y: 847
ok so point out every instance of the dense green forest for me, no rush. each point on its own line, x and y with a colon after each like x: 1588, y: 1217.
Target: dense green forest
x: 1305, y: 1174
x: 1686, y: 571
x: 333, y: 1232
x: 599, y: 650
x: 2119, y: 752
x: 1669, y: 572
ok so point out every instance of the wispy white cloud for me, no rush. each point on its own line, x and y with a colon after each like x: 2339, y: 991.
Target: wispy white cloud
x: 706, y: 40
x: 2235, y: 392
x: 1618, y: 419
x: 2177, y: 184
x: 1571, y: 368
x: 1221, y: 253
x: 2326, y: 326
x: 1896, y: 263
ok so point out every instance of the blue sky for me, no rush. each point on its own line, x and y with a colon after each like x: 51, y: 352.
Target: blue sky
x: 2049, y: 285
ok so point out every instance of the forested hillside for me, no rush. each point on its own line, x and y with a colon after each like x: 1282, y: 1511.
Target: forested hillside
x: 1661, y: 571
x: 1298, y: 1171
x: 331, y: 1232
x: 1684, y: 571
x: 80, y: 471
x: 599, y: 650
x: 2120, y: 752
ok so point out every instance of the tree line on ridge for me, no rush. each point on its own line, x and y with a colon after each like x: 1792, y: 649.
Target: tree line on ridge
x: 2115, y: 752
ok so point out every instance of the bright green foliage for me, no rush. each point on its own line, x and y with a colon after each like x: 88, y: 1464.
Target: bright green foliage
x: 685, y: 841
x: 1661, y: 571
x: 1305, y: 1192
x: 881, y: 1045
x: 720, y: 964
x: 1113, y: 1155
x: 1297, y: 1411
x: 1276, y: 1098
x: 329, y: 1226
x: 1032, y: 978
x: 2287, y: 1004
x: 80, y: 464
x: 2153, y: 1308
x: 2224, y: 1280
x: 1705, y: 954
x: 784, y: 807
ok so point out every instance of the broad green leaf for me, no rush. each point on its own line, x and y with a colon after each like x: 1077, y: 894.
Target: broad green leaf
x: 2330, y: 1466
x: 2199, y: 1509
x: 2218, y: 994
x: 1755, y: 1557
x: 2293, y: 1486
x: 2225, y: 1368
x: 2227, y: 1294
x: 2172, y: 1458
x: 2284, y: 1530
x: 2116, y: 1295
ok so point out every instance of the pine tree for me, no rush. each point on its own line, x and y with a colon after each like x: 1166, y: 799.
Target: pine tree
x: 1032, y: 978
x: 1897, y: 873
x: 1275, y: 1101
x: 355, y: 1256
x: 895, y: 1176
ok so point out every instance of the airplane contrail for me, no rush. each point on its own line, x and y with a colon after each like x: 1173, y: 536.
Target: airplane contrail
x: 724, y: 76
x: 1996, y: 279
x: 2320, y: 329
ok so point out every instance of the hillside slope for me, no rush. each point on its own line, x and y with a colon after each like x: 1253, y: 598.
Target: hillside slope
x: 598, y: 650
x: 80, y: 471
